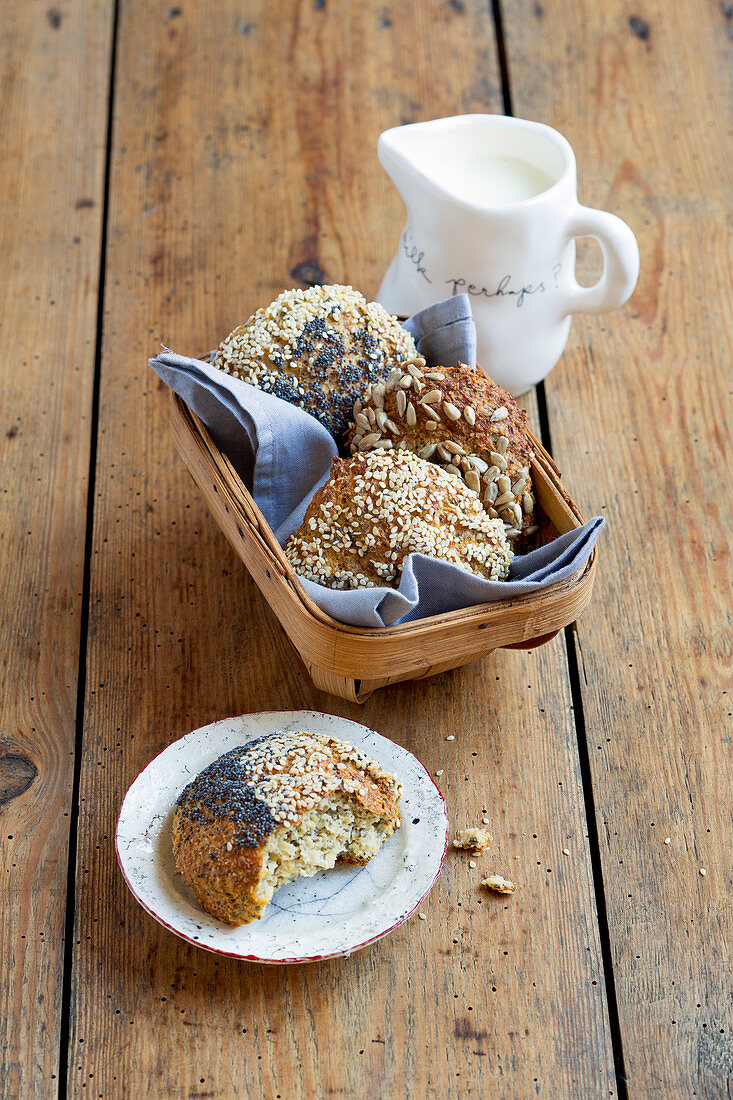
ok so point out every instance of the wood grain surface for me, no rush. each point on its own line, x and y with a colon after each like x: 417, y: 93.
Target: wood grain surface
x: 640, y: 411
x: 53, y: 74
x: 243, y: 160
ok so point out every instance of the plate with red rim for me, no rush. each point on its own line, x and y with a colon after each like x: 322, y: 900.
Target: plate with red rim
x: 332, y: 914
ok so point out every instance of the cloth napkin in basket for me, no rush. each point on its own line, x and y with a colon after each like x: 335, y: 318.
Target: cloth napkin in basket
x: 283, y: 455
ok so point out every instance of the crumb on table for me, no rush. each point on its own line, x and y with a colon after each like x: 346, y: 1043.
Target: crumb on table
x: 475, y: 840
x: 499, y: 884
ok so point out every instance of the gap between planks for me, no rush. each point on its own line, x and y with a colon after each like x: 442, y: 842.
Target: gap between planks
x: 65, y: 1029
x: 575, y: 688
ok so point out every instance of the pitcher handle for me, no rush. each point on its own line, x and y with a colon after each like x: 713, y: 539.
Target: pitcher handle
x: 620, y: 262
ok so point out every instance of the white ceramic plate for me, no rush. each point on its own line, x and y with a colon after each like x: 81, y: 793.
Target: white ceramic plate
x: 333, y: 913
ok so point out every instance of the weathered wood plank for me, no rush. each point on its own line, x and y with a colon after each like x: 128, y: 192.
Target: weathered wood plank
x: 245, y: 149
x: 54, y: 74
x: 641, y: 425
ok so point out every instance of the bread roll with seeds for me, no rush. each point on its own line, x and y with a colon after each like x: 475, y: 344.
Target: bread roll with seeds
x: 285, y: 805
x: 460, y: 419
x: 382, y: 505
x: 318, y: 349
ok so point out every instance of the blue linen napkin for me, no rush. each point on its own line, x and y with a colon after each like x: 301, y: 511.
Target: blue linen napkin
x: 283, y: 455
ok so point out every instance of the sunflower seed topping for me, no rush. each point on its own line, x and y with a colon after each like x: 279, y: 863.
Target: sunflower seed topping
x: 469, y: 415
x: 414, y: 370
x: 432, y: 396
x: 411, y: 415
x: 518, y: 486
x: 431, y: 426
x: 401, y: 402
x: 472, y: 480
x: 406, y: 381
x: 369, y: 440
x: 505, y: 498
x: 451, y: 411
x: 499, y: 414
x: 498, y: 460
x: 432, y: 413
x: 428, y: 451
x: 362, y: 421
x: 435, y: 376
x: 527, y: 504
x: 390, y: 424
x: 502, y: 444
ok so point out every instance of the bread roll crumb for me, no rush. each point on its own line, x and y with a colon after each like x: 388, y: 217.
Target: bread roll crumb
x: 475, y: 840
x: 499, y: 884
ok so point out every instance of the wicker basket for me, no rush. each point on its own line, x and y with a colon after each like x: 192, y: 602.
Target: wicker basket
x: 353, y: 661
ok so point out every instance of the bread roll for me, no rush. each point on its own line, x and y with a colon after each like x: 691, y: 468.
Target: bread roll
x: 382, y: 505
x: 460, y: 419
x: 318, y: 349
x: 284, y: 805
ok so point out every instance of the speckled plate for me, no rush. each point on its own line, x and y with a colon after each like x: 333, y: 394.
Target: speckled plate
x: 334, y: 913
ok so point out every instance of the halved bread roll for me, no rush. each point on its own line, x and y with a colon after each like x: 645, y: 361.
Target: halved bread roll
x: 282, y: 806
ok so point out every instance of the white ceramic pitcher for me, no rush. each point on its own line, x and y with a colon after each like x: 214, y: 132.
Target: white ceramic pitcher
x: 492, y: 211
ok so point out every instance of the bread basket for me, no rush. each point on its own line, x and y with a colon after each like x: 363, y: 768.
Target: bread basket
x: 352, y: 662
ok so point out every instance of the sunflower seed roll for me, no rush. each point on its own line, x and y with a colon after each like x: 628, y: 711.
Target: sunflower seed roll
x: 459, y: 419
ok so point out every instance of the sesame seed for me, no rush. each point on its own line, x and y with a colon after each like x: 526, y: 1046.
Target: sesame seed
x: 668, y: 840
x: 472, y: 863
x: 450, y: 737
x: 566, y: 851
x: 703, y: 872
x: 422, y: 916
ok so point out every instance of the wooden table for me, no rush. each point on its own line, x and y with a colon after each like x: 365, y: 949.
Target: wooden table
x: 168, y: 168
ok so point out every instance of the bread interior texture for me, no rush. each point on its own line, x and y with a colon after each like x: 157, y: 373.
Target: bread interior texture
x: 338, y: 828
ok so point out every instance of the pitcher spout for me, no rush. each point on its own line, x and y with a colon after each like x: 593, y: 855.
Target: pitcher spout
x: 411, y: 154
